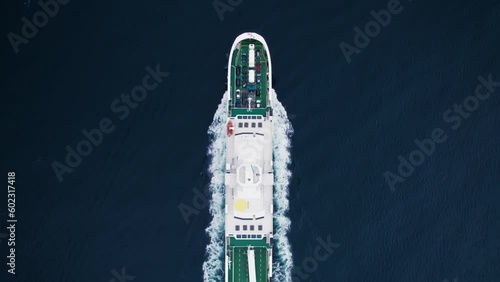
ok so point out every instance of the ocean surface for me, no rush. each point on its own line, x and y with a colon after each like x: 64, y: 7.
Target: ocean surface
x: 117, y: 216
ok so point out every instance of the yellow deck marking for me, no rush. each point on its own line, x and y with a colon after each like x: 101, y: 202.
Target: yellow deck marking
x: 240, y: 205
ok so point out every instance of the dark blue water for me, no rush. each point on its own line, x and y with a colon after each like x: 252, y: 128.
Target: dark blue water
x: 120, y: 206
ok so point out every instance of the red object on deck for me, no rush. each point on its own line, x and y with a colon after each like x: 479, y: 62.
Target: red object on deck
x: 229, y: 128
x: 258, y: 67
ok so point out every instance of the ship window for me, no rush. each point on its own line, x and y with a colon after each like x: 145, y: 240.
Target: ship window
x: 244, y: 117
x: 244, y: 227
x: 253, y: 124
x: 254, y: 117
x: 238, y: 236
x: 260, y: 227
x: 237, y: 228
x: 240, y: 124
x: 251, y: 227
x: 260, y: 124
x: 259, y: 236
x: 244, y: 236
x: 246, y: 124
x: 254, y: 236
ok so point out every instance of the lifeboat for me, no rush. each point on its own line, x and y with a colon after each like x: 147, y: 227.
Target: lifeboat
x: 229, y: 128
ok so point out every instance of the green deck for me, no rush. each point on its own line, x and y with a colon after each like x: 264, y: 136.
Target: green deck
x: 236, y: 105
x: 246, y: 243
x: 238, y: 271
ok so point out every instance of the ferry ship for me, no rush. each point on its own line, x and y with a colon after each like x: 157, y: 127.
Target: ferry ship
x: 249, y: 176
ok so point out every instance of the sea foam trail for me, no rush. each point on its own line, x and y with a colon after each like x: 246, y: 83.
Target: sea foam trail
x: 213, y: 267
x: 282, y: 133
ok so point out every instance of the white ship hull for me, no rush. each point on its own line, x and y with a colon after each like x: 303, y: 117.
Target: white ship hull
x: 249, y: 175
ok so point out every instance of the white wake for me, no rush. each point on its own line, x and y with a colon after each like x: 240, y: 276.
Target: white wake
x: 213, y: 267
x: 282, y: 133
